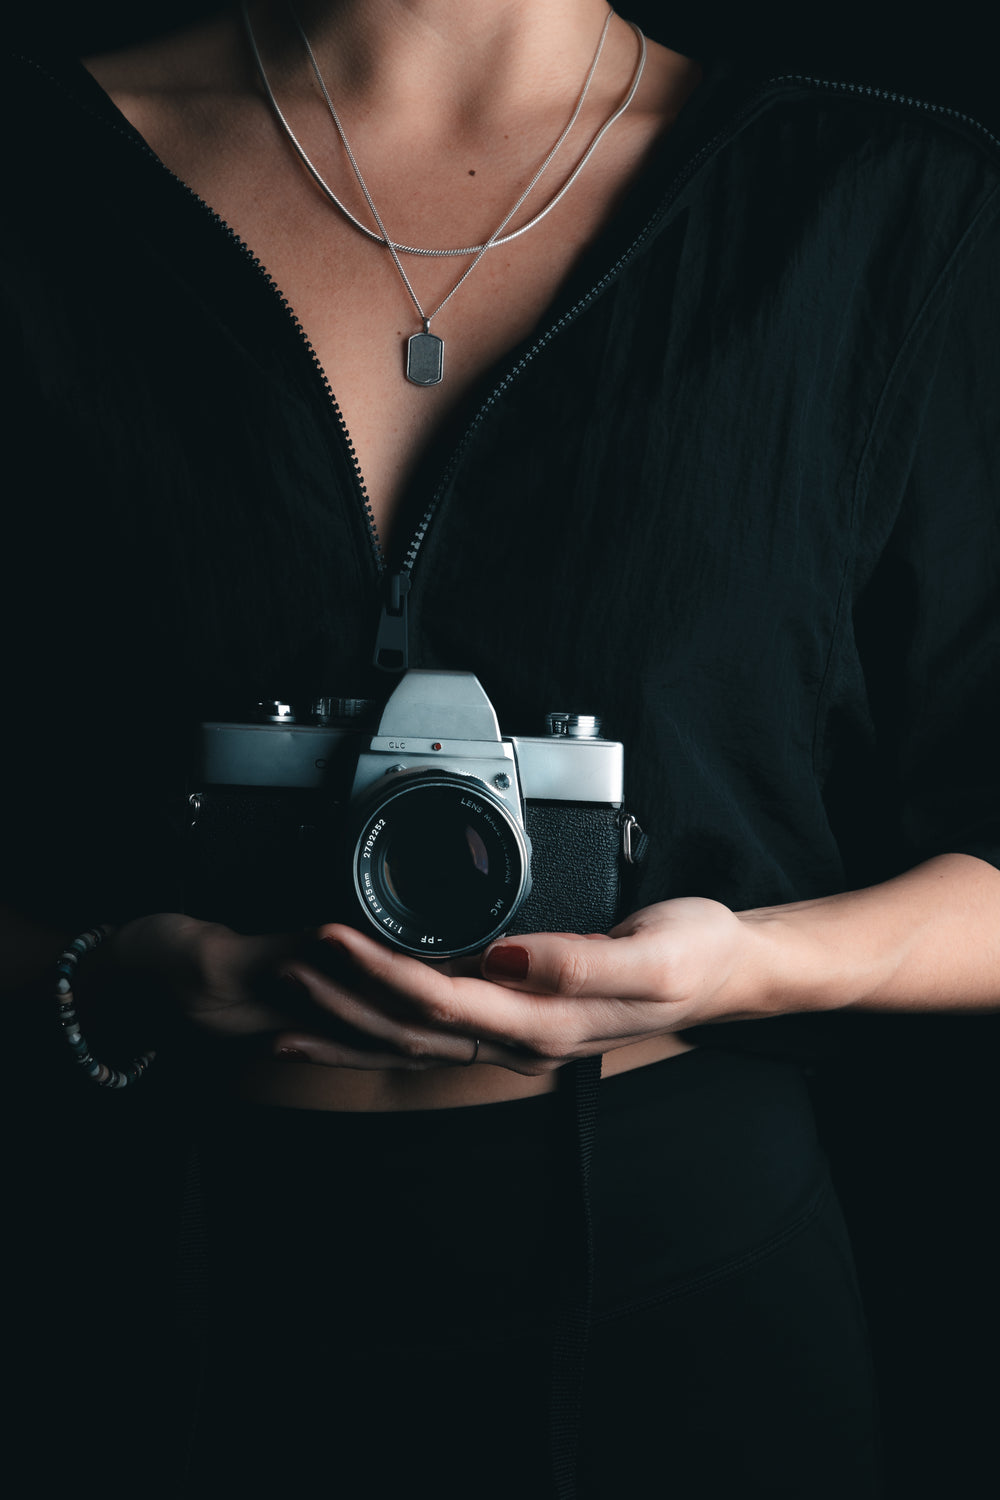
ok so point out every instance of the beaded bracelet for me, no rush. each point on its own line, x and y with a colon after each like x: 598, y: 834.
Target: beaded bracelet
x: 100, y: 1073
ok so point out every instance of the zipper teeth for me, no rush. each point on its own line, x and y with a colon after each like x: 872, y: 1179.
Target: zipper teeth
x: 324, y: 380
x: 871, y: 91
x: 321, y: 374
x: 136, y: 141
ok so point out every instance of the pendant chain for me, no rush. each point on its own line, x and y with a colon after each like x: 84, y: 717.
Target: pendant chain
x: 425, y: 350
x: 420, y: 250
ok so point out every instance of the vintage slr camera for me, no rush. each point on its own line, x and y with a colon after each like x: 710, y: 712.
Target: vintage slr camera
x: 422, y: 824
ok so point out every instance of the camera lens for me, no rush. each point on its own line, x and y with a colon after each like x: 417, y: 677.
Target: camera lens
x: 432, y: 870
x: 441, y: 866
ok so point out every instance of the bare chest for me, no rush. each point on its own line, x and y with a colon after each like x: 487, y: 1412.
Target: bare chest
x: 358, y: 314
x: 359, y: 317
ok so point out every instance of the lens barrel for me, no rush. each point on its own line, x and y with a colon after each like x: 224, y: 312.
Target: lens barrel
x: 440, y: 865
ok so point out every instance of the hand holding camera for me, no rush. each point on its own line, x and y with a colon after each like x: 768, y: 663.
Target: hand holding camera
x: 403, y: 857
x: 536, y: 1002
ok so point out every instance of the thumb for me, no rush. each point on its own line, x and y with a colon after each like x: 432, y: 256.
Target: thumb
x: 571, y: 965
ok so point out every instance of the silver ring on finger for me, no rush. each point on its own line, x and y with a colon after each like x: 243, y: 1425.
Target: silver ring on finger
x: 475, y: 1054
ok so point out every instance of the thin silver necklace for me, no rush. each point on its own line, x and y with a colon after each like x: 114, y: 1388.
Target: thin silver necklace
x: 402, y: 249
x: 424, y: 350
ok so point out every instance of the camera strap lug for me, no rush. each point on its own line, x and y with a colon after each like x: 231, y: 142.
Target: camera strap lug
x: 392, y: 647
x: 634, y: 841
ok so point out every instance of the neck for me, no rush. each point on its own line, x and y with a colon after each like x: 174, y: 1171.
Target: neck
x: 447, y: 57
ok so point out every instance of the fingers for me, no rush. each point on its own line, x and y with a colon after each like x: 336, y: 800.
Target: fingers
x: 666, y: 952
x: 369, y: 1031
x: 461, y: 1052
x: 550, y: 997
x: 328, y: 1053
x: 408, y: 1009
x: 573, y: 967
x: 444, y: 997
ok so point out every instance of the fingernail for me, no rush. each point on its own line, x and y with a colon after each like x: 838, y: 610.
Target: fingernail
x: 507, y: 961
x: 292, y: 1054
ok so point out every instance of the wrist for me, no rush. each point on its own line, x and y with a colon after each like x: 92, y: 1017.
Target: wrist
x: 64, y: 981
x: 808, y: 956
x: 127, y: 983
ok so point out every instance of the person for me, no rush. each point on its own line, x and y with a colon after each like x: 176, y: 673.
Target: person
x: 702, y: 451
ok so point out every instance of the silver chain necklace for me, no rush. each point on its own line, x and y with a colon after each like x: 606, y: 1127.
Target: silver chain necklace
x: 424, y: 350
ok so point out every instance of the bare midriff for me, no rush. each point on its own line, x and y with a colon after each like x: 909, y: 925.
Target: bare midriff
x: 306, y: 1086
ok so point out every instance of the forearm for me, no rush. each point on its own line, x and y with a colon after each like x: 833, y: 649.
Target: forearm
x: 928, y: 940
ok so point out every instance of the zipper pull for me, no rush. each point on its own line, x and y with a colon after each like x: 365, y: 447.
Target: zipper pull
x: 392, y: 648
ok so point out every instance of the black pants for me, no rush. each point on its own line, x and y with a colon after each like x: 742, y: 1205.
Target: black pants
x: 382, y: 1293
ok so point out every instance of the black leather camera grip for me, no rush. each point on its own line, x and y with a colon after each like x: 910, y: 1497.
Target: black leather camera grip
x: 575, y: 868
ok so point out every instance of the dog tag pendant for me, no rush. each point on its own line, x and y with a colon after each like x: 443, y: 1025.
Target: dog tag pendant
x: 425, y: 358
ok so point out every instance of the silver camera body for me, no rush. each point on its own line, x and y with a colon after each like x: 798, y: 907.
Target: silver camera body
x: 436, y: 830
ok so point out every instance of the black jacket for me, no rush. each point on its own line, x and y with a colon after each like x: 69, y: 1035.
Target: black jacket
x: 737, y: 494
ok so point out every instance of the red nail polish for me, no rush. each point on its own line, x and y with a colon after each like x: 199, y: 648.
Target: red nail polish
x: 507, y: 961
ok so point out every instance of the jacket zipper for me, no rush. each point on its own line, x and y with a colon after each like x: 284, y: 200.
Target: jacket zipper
x: 391, y: 651
x: 870, y: 91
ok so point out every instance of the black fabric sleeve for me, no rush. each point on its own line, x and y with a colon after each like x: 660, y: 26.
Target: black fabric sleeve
x: 927, y: 618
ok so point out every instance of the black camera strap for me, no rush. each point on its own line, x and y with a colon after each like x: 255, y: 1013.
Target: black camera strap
x: 580, y: 1083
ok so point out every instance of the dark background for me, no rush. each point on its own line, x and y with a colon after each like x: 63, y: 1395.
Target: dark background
x: 912, y: 1134
x: 947, y: 61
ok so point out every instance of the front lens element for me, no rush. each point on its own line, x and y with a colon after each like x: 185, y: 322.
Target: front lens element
x: 430, y: 870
